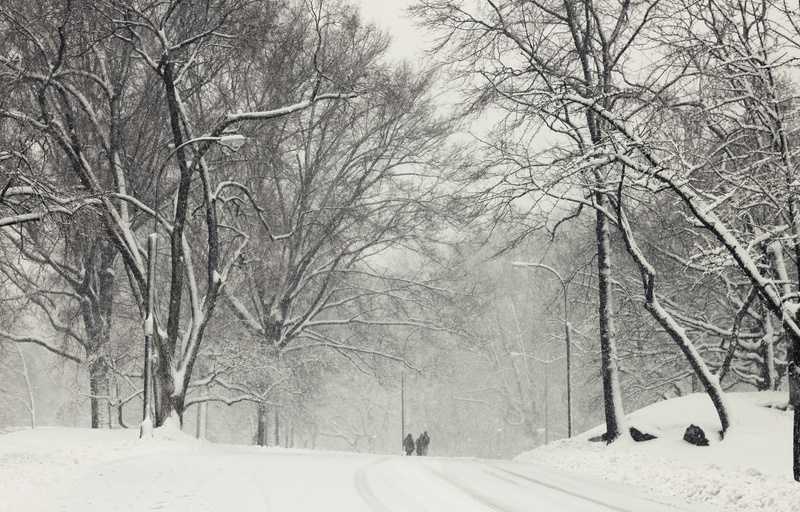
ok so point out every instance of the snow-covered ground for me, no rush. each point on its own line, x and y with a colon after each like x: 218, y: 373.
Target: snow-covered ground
x: 82, y: 470
x: 750, y: 470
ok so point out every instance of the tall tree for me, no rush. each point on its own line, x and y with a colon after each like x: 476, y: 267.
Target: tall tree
x: 525, y: 60
x: 77, y: 73
x: 66, y: 273
x: 351, y: 189
x: 727, y: 74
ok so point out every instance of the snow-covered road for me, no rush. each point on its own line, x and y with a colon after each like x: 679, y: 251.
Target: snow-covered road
x: 220, y: 478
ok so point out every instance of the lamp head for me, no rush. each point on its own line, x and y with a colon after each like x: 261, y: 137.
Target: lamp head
x: 233, y: 141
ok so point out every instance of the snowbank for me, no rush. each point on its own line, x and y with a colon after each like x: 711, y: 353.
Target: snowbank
x: 750, y: 470
x: 34, y: 459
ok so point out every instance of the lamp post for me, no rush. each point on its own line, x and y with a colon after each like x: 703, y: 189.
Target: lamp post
x: 566, y: 335
x: 234, y: 142
x: 403, y: 387
x: 403, y: 403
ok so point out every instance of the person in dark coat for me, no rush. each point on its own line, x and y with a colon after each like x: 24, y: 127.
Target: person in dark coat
x: 426, y: 440
x: 420, y: 441
x: 408, y: 444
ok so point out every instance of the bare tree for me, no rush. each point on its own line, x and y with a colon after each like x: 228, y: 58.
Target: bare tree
x: 14, y: 392
x: 76, y: 72
x: 324, y: 202
x: 568, y: 69
x: 526, y: 60
x: 729, y: 78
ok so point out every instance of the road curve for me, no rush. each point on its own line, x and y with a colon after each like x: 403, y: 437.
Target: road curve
x: 434, y: 484
x: 223, y: 478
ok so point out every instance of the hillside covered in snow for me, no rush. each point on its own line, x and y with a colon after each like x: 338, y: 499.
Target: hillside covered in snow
x: 751, y: 469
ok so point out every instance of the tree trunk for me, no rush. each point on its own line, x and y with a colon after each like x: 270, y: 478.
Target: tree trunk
x: 99, y: 392
x: 793, y: 374
x: 276, y: 424
x: 612, y: 398
x: 97, y: 287
x: 769, y: 375
x: 648, y: 275
x: 262, y: 413
x: 31, y: 405
x: 202, y: 420
x: 796, y: 445
x: 702, y: 374
x: 162, y: 381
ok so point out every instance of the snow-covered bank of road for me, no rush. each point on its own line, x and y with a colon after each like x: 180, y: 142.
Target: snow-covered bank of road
x: 53, y: 472
x: 751, y: 470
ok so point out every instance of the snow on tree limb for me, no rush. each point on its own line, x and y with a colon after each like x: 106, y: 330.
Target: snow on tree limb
x: 229, y: 119
x: 38, y: 340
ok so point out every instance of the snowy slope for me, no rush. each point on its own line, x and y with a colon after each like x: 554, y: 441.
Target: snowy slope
x: 750, y: 470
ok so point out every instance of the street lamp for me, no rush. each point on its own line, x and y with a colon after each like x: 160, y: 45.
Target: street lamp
x: 566, y: 335
x: 403, y: 386
x: 403, y: 403
x: 234, y: 142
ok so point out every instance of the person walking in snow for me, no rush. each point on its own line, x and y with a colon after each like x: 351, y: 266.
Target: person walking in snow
x: 408, y: 444
x: 426, y: 440
x: 420, y: 441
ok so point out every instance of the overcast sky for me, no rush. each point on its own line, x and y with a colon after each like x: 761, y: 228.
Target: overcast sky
x: 390, y: 15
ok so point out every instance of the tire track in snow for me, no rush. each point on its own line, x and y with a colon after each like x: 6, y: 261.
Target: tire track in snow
x: 410, y: 485
x: 603, y: 503
x: 363, y: 489
x: 267, y: 504
x: 461, y: 486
